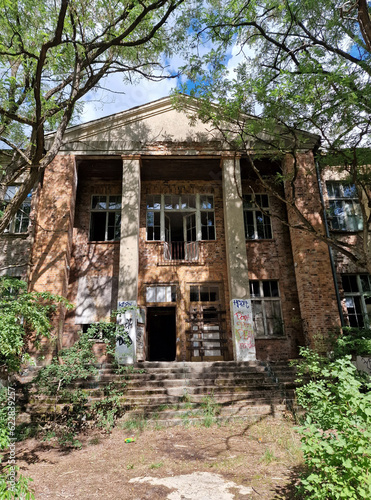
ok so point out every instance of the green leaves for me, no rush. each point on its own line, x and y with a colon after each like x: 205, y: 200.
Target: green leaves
x: 336, y: 431
x: 23, y: 315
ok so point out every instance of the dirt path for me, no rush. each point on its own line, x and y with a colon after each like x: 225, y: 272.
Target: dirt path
x: 227, y: 462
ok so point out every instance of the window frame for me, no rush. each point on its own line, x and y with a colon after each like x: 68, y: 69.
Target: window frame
x: 361, y: 294
x: 348, y: 221
x: 264, y: 301
x: 156, y: 287
x: 254, y: 209
x: 198, y: 210
x: 21, y: 215
x: 107, y: 211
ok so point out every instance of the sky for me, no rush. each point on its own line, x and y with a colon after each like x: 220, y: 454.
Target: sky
x: 103, y: 102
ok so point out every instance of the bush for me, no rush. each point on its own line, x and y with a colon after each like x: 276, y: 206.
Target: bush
x: 23, y: 316
x: 354, y: 341
x: 336, y: 432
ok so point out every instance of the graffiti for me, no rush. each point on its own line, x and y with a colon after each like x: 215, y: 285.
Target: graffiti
x: 243, y: 329
x: 126, y: 303
x: 241, y: 303
x: 120, y: 340
x: 128, y: 324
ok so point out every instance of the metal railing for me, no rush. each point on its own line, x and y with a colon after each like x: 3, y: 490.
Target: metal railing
x: 177, y: 252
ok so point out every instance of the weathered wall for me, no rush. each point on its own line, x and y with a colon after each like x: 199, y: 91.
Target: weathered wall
x: 94, y: 266
x: 311, y: 257
x: 51, y: 251
x: 272, y: 260
x: 212, y: 267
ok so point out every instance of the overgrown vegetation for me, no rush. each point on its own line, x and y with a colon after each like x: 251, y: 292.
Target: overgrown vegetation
x: 336, y: 430
x: 63, y: 380
x: 24, y: 317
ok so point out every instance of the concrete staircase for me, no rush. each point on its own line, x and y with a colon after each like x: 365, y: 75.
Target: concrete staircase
x: 169, y: 393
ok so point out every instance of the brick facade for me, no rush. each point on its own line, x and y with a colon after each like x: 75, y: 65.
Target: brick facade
x: 61, y: 259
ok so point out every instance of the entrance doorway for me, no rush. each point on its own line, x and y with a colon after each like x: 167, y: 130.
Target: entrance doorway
x: 161, y: 331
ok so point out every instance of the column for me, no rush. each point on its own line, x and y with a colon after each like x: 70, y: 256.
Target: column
x: 129, y: 253
x: 238, y: 280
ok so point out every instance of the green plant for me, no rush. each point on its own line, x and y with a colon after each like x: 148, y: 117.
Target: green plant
x: 268, y: 457
x: 354, y: 341
x: 156, y: 465
x: 209, y: 406
x: 24, y: 316
x: 336, y: 432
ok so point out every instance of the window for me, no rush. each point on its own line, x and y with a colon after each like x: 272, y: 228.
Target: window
x: 161, y: 293
x: 21, y: 221
x: 345, y: 211
x: 257, y: 224
x: 180, y: 218
x: 204, y: 293
x: 105, y: 218
x: 357, y: 291
x: 266, y: 308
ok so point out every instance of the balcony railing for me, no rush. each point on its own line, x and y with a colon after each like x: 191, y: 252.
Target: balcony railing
x: 180, y: 252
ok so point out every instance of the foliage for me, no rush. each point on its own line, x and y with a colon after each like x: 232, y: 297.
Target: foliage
x: 52, y: 53
x: 61, y: 380
x: 298, y: 65
x: 336, y: 432
x: 355, y: 341
x: 24, y: 316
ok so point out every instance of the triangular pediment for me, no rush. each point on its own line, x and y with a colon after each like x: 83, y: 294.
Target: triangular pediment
x: 153, y: 126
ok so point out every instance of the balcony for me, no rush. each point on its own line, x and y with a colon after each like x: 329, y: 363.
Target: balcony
x: 179, y: 252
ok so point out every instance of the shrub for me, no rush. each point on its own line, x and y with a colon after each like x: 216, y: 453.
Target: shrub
x: 336, y: 432
x: 23, y: 316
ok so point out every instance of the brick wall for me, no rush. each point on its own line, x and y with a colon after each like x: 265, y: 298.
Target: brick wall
x: 311, y: 257
x: 272, y: 260
x: 212, y: 257
x: 51, y: 250
x: 90, y: 260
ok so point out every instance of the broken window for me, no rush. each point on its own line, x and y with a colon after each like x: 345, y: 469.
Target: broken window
x: 180, y: 218
x: 357, y: 291
x: 105, y: 218
x: 345, y: 210
x: 21, y: 220
x: 256, y: 217
x: 266, y: 308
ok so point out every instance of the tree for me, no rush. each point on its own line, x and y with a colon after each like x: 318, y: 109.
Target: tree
x: 52, y: 53
x: 303, y: 65
x: 24, y: 317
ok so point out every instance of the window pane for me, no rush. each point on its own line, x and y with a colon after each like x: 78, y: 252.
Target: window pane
x: 194, y: 294
x: 366, y: 282
x: 10, y: 192
x: 214, y: 293
x: 204, y: 294
x: 247, y: 201
x: 168, y: 202
x: 206, y: 202
x: 355, y: 317
x: 249, y: 225
x: 254, y: 288
x: 151, y: 294
x: 349, y: 283
x: 333, y: 190
x: 350, y: 191
x: 98, y: 226
x: 99, y: 203
x: 257, y: 313
x: 114, y: 202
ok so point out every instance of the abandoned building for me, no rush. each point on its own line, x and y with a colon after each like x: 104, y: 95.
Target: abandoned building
x: 143, y: 208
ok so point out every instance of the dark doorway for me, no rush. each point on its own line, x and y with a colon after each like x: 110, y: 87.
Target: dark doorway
x: 161, y: 331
